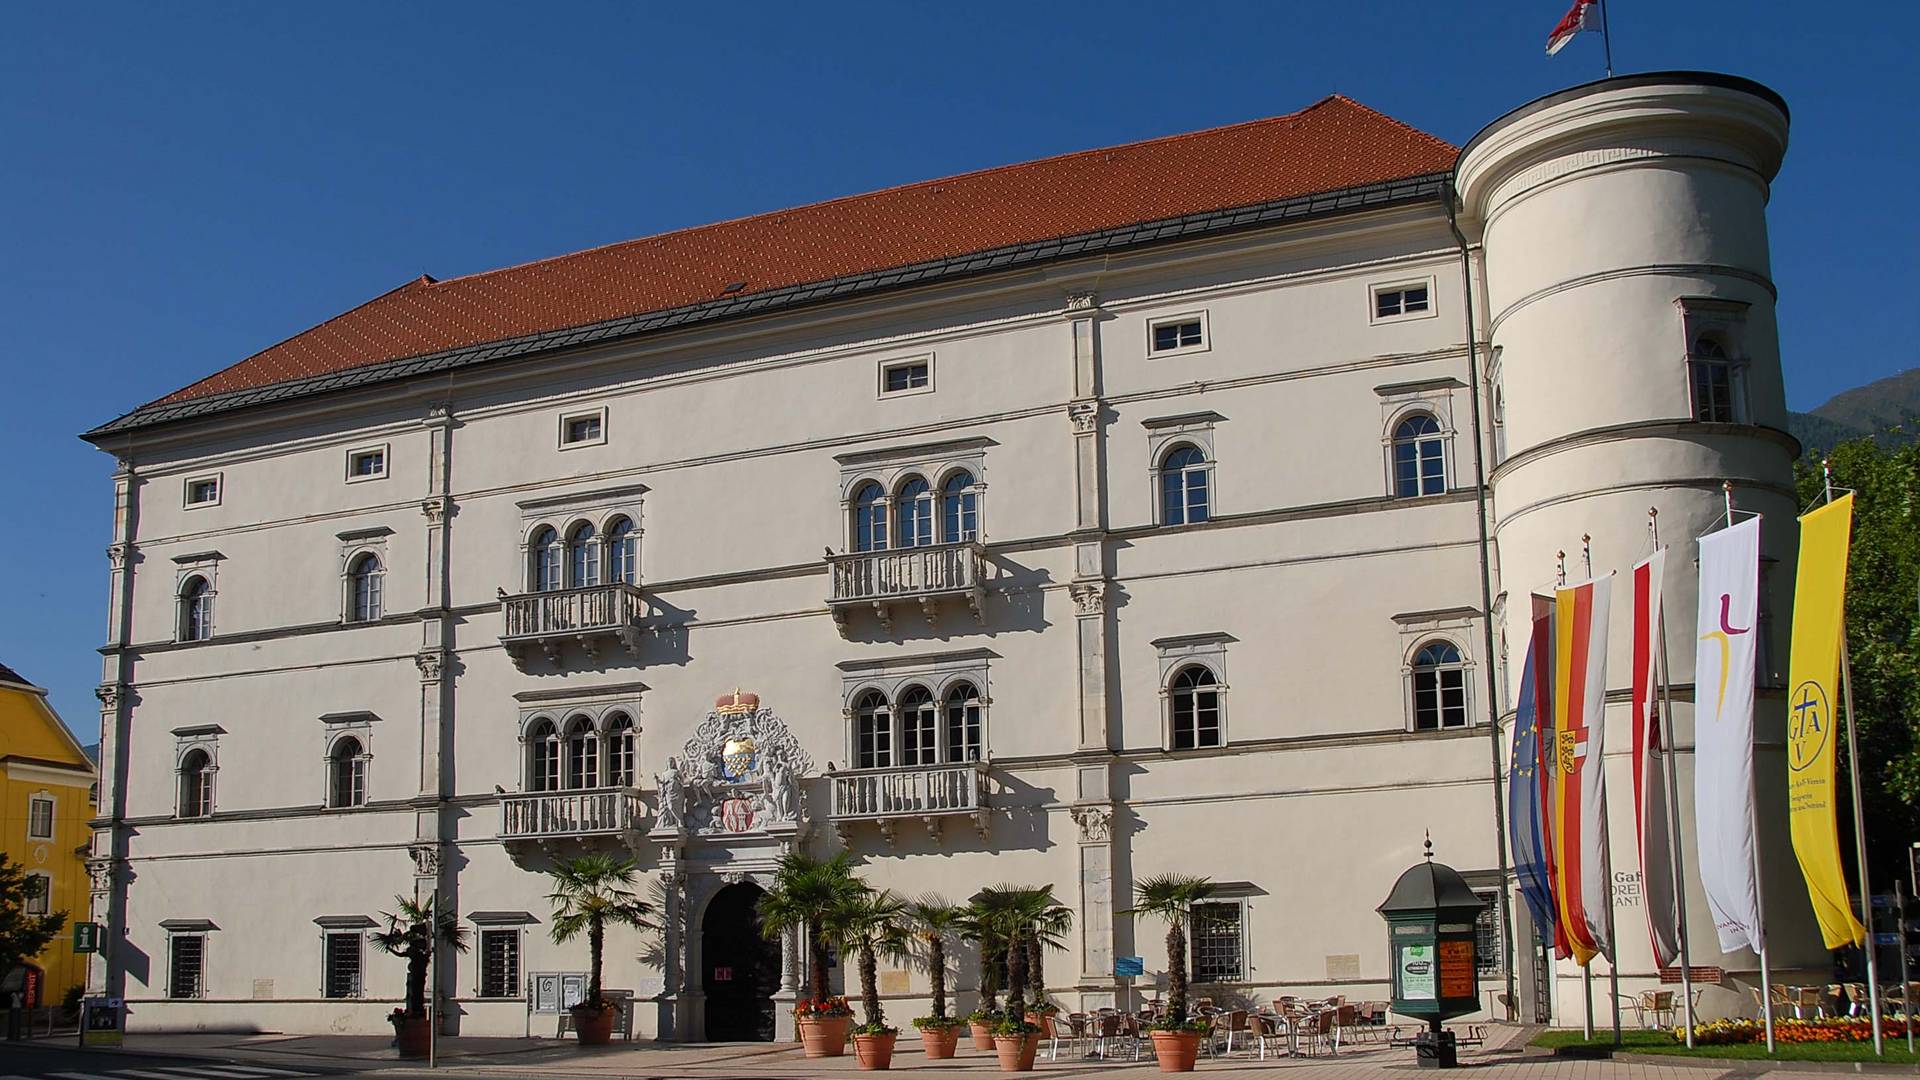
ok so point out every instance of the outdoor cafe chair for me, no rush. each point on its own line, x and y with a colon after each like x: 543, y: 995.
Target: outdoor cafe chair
x: 1266, y: 1029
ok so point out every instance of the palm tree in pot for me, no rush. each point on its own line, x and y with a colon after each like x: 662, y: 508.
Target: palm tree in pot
x: 1013, y: 916
x: 1172, y: 898
x: 590, y: 893
x: 934, y: 919
x: 411, y: 933
x: 871, y: 926
x: 811, y: 897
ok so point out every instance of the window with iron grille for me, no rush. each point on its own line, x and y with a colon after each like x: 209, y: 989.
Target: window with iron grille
x: 40, y: 817
x: 186, y: 954
x: 1218, y: 943
x: 343, y: 964
x: 1490, y: 951
x: 499, y: 963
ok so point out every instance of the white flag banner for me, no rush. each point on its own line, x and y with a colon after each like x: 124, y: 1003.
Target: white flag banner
x: 1723, y: 730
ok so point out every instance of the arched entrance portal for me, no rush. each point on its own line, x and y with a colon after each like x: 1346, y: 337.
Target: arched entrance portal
x: 742, y: 968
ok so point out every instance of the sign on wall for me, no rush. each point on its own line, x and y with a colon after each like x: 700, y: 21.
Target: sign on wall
x: 86, y: 937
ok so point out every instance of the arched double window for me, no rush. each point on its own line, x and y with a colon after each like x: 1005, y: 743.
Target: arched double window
x: 583, y: 557
x: 196, y: 609
x: 544, y: 564
x: 913, y: 505
x: 872, y: 732
x: 1419, y: 457
x: 363, y: 589
x: 621, y: 770
x: 918, y: 727
x: 1439, y: 687
x: 1194, y: 708
x: 963, y: 722
x: 543, y: 757
x: 196, y: 784
x: 623, y: 552
x: 959, y: 508
x: 1184, y: 495
x: 583, y: 754
x: 919, y: 718
x: 869, y: 526
x: 347, y: 773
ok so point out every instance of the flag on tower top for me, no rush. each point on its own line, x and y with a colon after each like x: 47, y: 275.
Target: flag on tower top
x: 1583, y: 15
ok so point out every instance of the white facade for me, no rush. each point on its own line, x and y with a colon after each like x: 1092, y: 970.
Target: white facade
x: 1606, y: 226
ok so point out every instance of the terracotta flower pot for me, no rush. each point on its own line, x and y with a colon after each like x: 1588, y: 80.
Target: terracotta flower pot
x: 875, y: 1051
x: 1176, y: 1049
x: 825, y: 1036
x: 1016, y: 1051
x: 982, y: 1036
x: 1043, y: 1021
x: 413, y: 1034
x: 594, y: 1027
x: 939, y: 1042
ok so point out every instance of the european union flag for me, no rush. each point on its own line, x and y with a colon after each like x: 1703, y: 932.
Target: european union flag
x: 1524, y: 826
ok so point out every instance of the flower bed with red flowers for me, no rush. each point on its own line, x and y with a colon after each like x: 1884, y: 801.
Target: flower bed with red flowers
x: 1829, y: 1030
x: 822, y: 1010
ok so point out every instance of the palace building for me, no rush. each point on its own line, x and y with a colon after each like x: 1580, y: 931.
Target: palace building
x: 1068, y: 522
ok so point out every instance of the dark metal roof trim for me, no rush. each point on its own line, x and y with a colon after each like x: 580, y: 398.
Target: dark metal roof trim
x: 1211, y: 223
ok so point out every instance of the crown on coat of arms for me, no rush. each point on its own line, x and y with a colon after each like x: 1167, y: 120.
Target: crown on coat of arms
x: 736, y: 703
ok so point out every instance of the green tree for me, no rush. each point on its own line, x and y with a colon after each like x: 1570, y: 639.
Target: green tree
x: 1171, y: 897
x: 410, y: 935
x: 871, y: 925
x: 811, y: 896
x: 933, y: 920
x: 591, y: 892
x: 1010, y: 919
x: 1883, y: 640
x: 22, y: 936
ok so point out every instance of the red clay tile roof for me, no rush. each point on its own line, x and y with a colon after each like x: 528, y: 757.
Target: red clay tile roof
x: 1334, y: 144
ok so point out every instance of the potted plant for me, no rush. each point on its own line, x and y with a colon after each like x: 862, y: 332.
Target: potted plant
x: 410, y: 935
x: 1171, y: 897
x: 1013, y: 916
x: 591, y: 892
x: 873, y: 925
x: 811, y: 896
x: 933, y: 920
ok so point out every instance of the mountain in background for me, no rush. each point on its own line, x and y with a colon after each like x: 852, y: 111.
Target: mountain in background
x: 1876, y: 409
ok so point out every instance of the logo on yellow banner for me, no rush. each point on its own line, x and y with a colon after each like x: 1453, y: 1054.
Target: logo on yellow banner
x: 1808, y: 723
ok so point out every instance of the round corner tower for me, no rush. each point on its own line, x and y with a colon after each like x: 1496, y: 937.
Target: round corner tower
x: 1635, y: 364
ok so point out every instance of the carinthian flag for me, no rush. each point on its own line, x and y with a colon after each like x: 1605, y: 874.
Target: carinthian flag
x: 1524, y: 804
x: 1580, y: 789
x: 1651, y: 814
x: 1723, y: 730
x: 1583, y: 15
x: 1819, y: 604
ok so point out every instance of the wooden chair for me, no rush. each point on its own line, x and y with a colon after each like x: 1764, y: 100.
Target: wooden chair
x: 1807, y: 1004
x: 1264, y: 1029
x: 1659, y: 1005
x: 1317, y: 1031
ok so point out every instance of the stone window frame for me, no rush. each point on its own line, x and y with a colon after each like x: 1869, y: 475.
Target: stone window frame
x: 43, y: 797
x: 601, y: 509
x: 883, y: 367
x: 938, y: 673
x: 188, y: 502
x: 1401, y: 285
x: 1417, y: 630
x: 356, y: 927
x: 570, y: 416
x: 560, y: 707
x: 176, y: 929
x: 1200, y: 316
x: 1166, y: 434
x: 1239, y: 895
x: 891, y: 467
x: 1176, y: 654
x: 205, y: 565
x: 355, y: 454
x: 1398, y: 401
x: 346, y: 725
x: 514, y: 923
x: 205, y: 738
x: 1725, y: 322
x: 355, y: 543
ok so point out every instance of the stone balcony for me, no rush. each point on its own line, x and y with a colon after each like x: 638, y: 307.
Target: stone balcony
x: 926, y: 793
x: 926, y: 576
x: 592, y: 618
x: 548, y: 817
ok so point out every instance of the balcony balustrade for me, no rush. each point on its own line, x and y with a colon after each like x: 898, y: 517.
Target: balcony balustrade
x: 593, y: 617
x: 922, y: 575
x: 616, y: 813
x: 927, y: 792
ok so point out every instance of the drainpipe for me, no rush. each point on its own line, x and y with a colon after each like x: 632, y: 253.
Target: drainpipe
x: 1486, y: 591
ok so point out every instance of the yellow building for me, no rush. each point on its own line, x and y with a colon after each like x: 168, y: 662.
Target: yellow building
x: 46, y: 800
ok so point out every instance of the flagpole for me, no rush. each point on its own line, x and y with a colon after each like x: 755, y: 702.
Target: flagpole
x: 1759, y: 880
x: 1675, y: 857
x: 1606, y: 37
x: 1859, y: 820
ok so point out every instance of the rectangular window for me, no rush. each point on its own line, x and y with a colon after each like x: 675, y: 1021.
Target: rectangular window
x: 203, y: 491
x: 906, y: 376
x: 1392, y: 303
x: 39, y: 893
x: 583, y: 429
x: 40, y: 817
x: 499, y: 963
x: 1490, y: 952
x: 343, y: 965
x: 1219, y: 953
x: 186, y: 956
x: 1178, y: 334
x: 368, y: 464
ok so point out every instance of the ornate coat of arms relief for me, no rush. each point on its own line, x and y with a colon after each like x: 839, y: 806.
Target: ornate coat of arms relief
x: 738, y: 773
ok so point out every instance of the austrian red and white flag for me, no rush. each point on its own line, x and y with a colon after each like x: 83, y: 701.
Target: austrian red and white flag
x: 1584, y: 15
x: 1651, y: 812
x: 1581, y: 865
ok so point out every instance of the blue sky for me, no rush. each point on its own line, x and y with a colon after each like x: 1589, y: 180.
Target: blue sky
x: 186, y: 184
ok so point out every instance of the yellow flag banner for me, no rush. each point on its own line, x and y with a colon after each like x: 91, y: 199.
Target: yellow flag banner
x: 1819, y: 606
